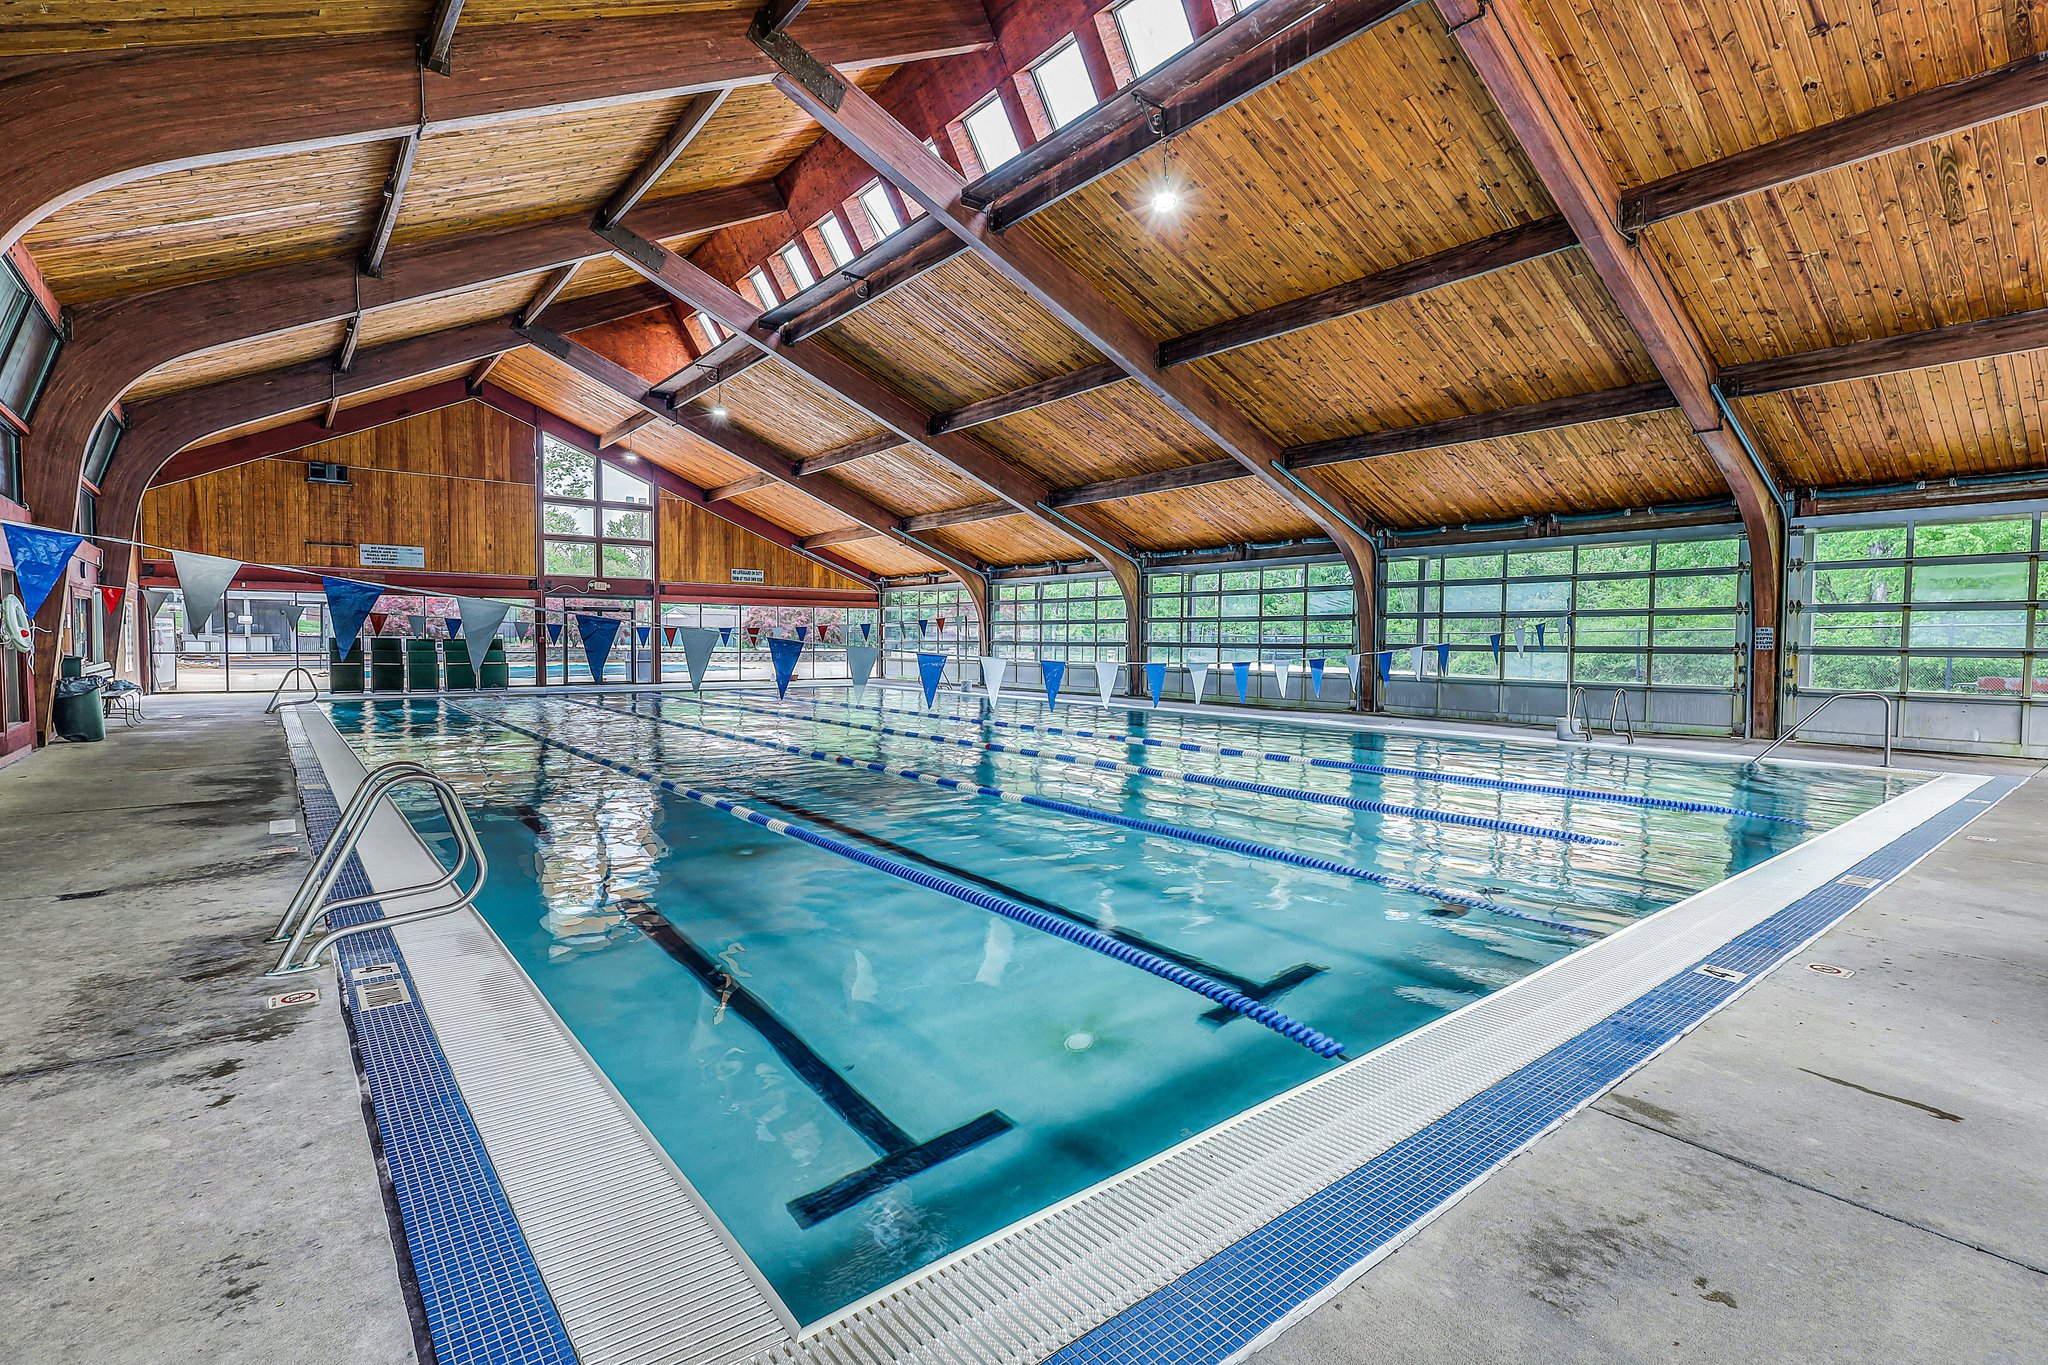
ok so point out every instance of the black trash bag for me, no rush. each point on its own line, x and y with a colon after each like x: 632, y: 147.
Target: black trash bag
x: 77, y: 687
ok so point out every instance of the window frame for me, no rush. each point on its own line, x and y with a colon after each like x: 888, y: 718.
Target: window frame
x: 1069, y: 46
x: 866, y: 196
x: 1123, y: 33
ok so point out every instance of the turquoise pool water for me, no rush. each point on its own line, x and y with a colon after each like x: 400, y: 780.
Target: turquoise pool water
x: 861, y: 1075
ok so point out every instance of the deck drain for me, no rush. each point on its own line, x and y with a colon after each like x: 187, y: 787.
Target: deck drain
x: 1828, y: 969
x: 278, y: 1002
x: 1722, y: 973
x: 373, y: 971
x: 378, y: 994
x: 1865, y: 883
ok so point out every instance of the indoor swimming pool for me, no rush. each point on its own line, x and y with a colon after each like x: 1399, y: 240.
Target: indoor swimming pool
x: 884, y: 979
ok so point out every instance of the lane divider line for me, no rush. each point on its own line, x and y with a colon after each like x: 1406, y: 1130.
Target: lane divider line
x: 1292, y: 1029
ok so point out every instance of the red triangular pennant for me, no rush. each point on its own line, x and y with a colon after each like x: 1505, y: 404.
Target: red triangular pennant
x: 377, y: 620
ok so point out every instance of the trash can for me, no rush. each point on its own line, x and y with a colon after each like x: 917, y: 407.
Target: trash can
x: 76, y: 714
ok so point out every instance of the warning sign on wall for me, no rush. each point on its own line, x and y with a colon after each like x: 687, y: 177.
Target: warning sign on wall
x: 749, y: 576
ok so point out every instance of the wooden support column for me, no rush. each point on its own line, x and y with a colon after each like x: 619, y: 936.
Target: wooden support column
x: 898, y: 155
x: 1497, y: 39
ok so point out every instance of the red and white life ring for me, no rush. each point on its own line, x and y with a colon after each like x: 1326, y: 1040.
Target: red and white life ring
x: 14, y: 627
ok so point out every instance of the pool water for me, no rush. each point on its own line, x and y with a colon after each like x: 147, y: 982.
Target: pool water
x: 860, y: 1075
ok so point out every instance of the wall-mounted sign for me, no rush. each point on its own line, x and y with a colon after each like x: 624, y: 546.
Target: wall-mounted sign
x: 749, y: 576
x: 1764, y: 637
x: 392, y: 556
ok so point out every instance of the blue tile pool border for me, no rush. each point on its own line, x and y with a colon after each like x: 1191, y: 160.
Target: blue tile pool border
x: 479, y: 1288
x: 1228, y: 1301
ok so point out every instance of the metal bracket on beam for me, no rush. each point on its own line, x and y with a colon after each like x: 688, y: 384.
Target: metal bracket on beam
x: 797, y: 62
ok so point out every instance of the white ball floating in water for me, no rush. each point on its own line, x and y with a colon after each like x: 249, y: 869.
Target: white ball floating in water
x: 1080, y: 1042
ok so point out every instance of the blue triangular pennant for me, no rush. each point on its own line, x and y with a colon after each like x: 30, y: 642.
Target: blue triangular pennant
x: 1155, y: 681
x: 1443, y: 660
x: 1540, y: 628
x: 641, y: 633
x: 725, y: 635
x: 598, y: 633
x: 923, y: 626
x: 40, y: 557
x: 802, y: 633
x: 1243, y: 673
x: 554, y: 632
x: 865, y: 627
x: 1494, y: 640
x: 348, y: 603
x: 784, y: 654
x: 1315, y: 674
x: 1386, y: 658
x: 930, y: 669
x: 1054, y: 671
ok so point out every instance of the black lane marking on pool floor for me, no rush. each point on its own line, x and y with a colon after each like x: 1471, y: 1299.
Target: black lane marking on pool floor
x: 902, y: 1155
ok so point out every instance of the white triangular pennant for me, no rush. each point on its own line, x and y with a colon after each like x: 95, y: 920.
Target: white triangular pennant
x: 1351, y: 663
x: 698, y: 642
x: 992, y: 670
x: 1415, y: 660
x: 1200, y: 674
x: 1107, y: 673
x: 204, y: 579
x: 481, y: 620
x: 860, y: 663
x: 1282, y: 672
x: 1521, y: 639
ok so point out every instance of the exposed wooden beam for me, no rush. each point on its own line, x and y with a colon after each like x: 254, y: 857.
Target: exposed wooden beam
x: 437, y: 48
x: 847, y: 454
x: 550, y: 289
x: 732, y: 356
x: 1955, y: 344
x: 333, y: 411
x: 2016, y: 88
x: 844, y: 535
x: 959, y: 516
x: 1158, y: 481
x: 606, y: 440
x: 479, y: 376
x: 900, y: 157
x: 677, y: 141
x: 1023, y: 490
x: 753, y: 483
x: 1510, y: 60
x: 391, y: 203
x: 735, y: 441
x: 157, y: 109
x: 909, y: 253
x: 1061, y: 386
x: 778, y: 15
x: 1238, y: 59
x: 349, y: 341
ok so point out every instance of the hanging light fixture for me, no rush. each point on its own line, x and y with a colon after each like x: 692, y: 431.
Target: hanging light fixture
x: 718, y: 409
x: 1166, y: 196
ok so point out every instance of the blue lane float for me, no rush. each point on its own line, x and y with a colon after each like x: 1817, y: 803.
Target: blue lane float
x: 1093, y: 940
x: 1111, y: 765
x: 1503, y: 784
x: 1242, y: 847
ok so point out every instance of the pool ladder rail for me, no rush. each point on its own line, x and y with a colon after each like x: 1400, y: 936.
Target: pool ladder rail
x: 309, y: 904
x: 1890, y: 724
x: 290, y: 673
x: 1619, y: 722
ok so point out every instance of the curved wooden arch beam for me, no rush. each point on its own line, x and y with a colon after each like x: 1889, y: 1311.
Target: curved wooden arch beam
x: 1510, y: 60
x: 125, y: 114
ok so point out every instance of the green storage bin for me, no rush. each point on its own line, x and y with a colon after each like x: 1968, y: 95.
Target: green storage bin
x: 344, y: 673
x: 495, y: 672
x: 423, y: 665
x: 387, y: 665
x: 461, y: 677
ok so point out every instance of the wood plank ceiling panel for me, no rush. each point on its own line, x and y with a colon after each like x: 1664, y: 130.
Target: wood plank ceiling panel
x: 783, y: 407
x: 1951, y: 421
x: 1106, y: 434
x: 1666, y: 85
x: 908, y: 482
x: 681, y: 453
x: 1627, y: 462
x: 790, y: 510
x: 1382, y: 152
x: 88, y: 25
x: 301, y: 344
x: 1194, y: 518
x: 885, y: 556
x: 1008, y: 541
x: 502, y: 299
x: 528, y: 169
x: 546, y: 381
x: 1945, y: 232
x: 1546, y: 329
x: 216, y: 220
x: 754, y: 135
x: 959, y: 334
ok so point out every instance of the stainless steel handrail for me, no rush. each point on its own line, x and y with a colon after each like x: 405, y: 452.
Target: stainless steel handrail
x: 1626, y: 723
x: 295, y: 668
x: 1890, y: 725
x: 309, y: 907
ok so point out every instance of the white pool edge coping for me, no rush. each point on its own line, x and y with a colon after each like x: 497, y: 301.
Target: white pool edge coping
x: 1030, y: 1288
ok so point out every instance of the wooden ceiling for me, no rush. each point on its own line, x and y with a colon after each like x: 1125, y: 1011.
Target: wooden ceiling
x: 1369, y: 158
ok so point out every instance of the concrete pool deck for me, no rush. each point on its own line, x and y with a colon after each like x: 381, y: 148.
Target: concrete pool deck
x: 1739, y: 1197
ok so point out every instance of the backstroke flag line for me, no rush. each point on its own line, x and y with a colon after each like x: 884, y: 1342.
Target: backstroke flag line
x: 598, y: 632
x: 203, y: 577
x: 698, y: 642
x: 41, y: 556
x: 784, y: 654
x: 348, y: 606
x: 860, y: 662
x: 992, y: 667
x: 930, y: 669
x: 482, y: 619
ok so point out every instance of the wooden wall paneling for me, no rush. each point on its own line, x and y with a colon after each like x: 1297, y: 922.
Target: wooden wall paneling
x: 1945, y: 232
x: 201, y: 224
x: 1665, y: 86
x: 697, y: 547
x: 1378, y: 153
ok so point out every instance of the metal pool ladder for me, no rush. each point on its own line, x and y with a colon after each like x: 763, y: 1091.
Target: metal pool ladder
x: 290, y: 673
x: 309, y: 904
x: 1884, y: 697
x: 1619, y: 722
